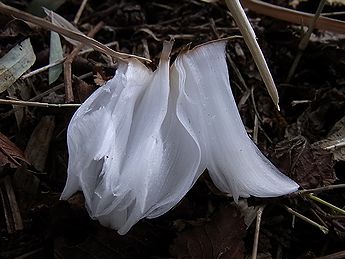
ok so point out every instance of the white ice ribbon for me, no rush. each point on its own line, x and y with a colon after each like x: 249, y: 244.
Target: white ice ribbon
x: 138, y: 144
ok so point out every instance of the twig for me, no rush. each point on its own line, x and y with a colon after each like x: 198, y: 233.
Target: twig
x: 330, y: 205
x: 338, y: 255
x: 10, y: 11
x: 250, y: 39
x: 293, y: 16
x: 30, y: 254
x: 321, y: 189
x: 146, y: 50
x: 80, y: 11
x: 12, y: 214
x: 44, y: 68
x: 68, y: 65
x: 41, y: 69
x: 305, y: 40
x: 41, y: 95
x: 55, y: 88
x: 304, y: 218
x: 340, y: 144
x: 38, y: 104
x: 256, y: 129
x: 237, y: 73
x: 257, y: 232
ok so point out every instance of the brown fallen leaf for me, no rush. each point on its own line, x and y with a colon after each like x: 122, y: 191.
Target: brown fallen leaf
x: 335, y: 141
x: 9, y: 153
x: 39, y: 142
x: 310, y: 167
x: 221, y: 238
x: 83, y: 89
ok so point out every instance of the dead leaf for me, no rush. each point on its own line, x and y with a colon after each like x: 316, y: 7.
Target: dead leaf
x: 335, y: 142
x: 14, y: 28
x: 39, y: 142
x: 98, y: 79
x: 84, y: 90
x: 309, y: 166
x: 221, y: 238
x: 26, y: 186
x: 15, y: 63
x: 318, y: 119
x: 9, y: 153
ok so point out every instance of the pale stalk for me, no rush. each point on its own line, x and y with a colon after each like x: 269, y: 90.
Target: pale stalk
x: 250, y: 39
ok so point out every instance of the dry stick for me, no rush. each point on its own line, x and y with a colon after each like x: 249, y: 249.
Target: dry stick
x: 338, y: 255
x: 44, y: 68
x: 55, y: 88
x: 10, y: 11
x: 321, y: 189
x: 340, y: 144
x: 12, y: 214
x: 305, y: 40
x: 68, y: 65
x: 250, y: 39
x: 304, y: 218
x: 38, y: 104
x: 41, y: 95
x: 329, y: 205
x: 256, y: 129
x: 80, y: 11
x: 294, y: 16
x: 257, y: 231
x: 41, y: 69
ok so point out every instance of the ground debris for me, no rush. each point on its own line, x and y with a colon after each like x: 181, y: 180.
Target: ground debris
x: 309, y: 166
x: 220, y: 238
x: 204, y: 224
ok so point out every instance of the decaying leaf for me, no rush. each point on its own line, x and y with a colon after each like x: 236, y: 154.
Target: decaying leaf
x: 221, y: 238
x: 13, y: 91
x: 318, y: 119
x: 26, y: 185
x: 309, y: 166
x: 15, y: 63
x: 335, y: 142
x: 55, y: 54
x: 83, y: 89
x: 9, y: 153
x: 39, y: 143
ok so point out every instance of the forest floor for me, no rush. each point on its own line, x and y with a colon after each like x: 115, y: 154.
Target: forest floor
x: 305, y: 139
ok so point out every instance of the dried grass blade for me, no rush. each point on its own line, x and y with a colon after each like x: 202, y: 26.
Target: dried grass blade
x: 10, y: 11
x: 250, y: 39
x: 293, y: 16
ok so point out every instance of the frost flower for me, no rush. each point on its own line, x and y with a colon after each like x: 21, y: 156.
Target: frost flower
x: 138, y: 144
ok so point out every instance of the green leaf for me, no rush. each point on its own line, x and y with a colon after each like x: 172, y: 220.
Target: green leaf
x: 55, y: 54
x: 15, y: 63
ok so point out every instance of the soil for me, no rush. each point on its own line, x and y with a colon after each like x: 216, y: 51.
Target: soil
x: 34, y: 223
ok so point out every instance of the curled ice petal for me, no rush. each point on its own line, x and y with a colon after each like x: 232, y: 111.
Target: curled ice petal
x: 139, y: 143
x: 208, y: 109
x: 129, y: 153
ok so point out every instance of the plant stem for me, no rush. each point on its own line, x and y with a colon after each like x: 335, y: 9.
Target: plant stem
x: 330, y: 205
x: 304, y: 218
